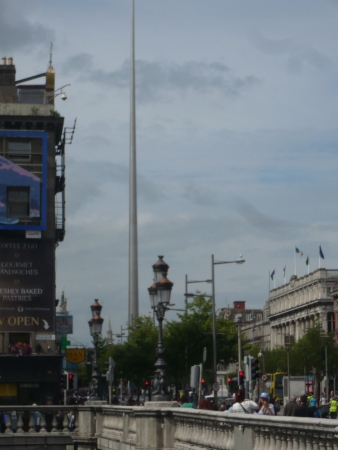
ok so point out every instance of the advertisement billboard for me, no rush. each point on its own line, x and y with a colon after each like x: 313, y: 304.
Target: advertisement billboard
x: 27, y: 283
x: 64, y: 325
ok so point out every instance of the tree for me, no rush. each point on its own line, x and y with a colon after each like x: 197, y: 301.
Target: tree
x: 185, y: 340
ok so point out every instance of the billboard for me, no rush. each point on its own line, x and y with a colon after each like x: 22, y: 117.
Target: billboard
x: 27, y: 282
x: 64, y: 325
x: 13, y: 177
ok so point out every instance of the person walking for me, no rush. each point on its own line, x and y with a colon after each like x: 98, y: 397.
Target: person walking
x: 303, y: 410
x: 333, y: 407
x: 290, y: 407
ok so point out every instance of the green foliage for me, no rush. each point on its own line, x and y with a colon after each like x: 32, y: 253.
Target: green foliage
x: 54, y: 113
x: 306, y: 355
x: 183, y: 339
x: 35, y: 110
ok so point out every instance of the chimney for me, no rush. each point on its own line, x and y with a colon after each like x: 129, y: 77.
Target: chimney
x: 8, y: 90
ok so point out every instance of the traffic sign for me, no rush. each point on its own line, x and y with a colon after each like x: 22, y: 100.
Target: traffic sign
x: 215, y: 386
x: 265, y: 377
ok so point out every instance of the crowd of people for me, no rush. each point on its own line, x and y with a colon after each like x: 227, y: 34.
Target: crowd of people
x: 300, y: 406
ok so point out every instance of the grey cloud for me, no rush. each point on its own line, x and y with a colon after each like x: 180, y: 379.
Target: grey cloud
x: 20, y: 33
x: 87, y: 180
x: 199, y: 195
x: 297, y: 53
x: 259, y: 220
x: 157, y: 79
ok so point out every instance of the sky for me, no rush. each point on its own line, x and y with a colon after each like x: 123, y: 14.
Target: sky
x: 236, y: 115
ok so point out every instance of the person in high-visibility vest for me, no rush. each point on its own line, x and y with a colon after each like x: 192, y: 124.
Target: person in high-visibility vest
x: 333, y: 407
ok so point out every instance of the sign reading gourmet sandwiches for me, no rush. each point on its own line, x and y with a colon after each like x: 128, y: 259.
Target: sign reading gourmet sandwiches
x: 27, y: 281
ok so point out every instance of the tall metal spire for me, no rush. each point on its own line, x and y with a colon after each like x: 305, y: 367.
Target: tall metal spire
x: 133, y: 257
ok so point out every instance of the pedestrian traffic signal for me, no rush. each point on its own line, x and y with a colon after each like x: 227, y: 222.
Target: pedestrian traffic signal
x: 241, y: 378
x: 70, y: 381
x: 254, y: 369
x: 63, y: 381
x: 146, y: 384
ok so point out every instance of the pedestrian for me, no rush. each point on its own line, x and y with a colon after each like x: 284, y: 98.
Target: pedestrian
x: 290, y: 407
x: 71, y: 420
x: 313, y: 404
x: 303, y: 410
x: 59, y: 420
x: 323, y: 399
x: 267, y: 408
x: 37, y: 419
x: 333, y: 408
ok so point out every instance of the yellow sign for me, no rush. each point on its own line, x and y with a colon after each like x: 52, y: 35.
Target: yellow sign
x: 75, y: 355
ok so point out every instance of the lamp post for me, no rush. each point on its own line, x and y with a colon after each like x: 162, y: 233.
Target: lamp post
x: 159, y: 293
x: 95, y: 327
x: 262, y: 355
x: 186, y: 289
x: 240, y: 260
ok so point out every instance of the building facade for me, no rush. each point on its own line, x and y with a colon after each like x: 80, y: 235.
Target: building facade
x: 294, y: 308
x: 32, y: 224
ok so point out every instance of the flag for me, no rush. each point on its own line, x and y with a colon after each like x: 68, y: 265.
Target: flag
x: 284, y: 270
x: 307, y: 261
x: 321, y: 254
x: 272, y: 274
x: 300, y: 252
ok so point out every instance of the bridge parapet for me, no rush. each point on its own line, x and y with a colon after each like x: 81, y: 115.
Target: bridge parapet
x: 125, y: 428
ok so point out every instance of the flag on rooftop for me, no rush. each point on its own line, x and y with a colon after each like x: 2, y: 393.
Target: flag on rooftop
x: 307, y: 260
x: 321, y: 254
x: 299, y: 251
x: 272, y: 274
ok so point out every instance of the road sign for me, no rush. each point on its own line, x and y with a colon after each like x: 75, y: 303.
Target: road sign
x: 215, y: 386
x: 265, y: 377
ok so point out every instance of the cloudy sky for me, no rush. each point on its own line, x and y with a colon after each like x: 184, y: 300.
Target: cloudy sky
x: 236, y: 141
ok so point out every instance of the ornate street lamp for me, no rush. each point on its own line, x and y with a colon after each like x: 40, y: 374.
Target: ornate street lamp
x: 159, y: 293
x: 95, y: 327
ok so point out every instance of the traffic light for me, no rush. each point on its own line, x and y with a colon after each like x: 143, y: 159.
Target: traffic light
x: 146, y: 384
x: 229, y: 381
x: 241, y: 376
x: 70, y: 381
x: 254, y: 369
x: 63, y: 381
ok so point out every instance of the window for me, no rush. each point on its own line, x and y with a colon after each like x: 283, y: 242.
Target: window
x: 249, y: 316
x: 19, y: 151
x: 18, y: 204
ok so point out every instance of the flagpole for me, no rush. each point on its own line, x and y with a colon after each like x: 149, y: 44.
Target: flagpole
x: 269, y: 283
x: 319, y: 256
x: 295, y: 262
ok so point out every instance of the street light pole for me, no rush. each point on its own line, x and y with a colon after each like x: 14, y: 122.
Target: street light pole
x: 186, y: 289
x: 159, y: 293
x: 240, y: 260
x: 95, y: 327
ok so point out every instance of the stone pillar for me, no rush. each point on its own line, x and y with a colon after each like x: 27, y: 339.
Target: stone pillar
x: 88, y: 426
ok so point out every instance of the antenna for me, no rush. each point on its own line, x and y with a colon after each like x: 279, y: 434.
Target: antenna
x: 51, y: 54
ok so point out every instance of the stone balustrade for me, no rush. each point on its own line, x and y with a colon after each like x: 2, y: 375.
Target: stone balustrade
x: 153, y: 427
x: 149, y: 428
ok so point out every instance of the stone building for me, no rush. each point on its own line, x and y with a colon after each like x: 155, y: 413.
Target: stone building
x: 294, y: 307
